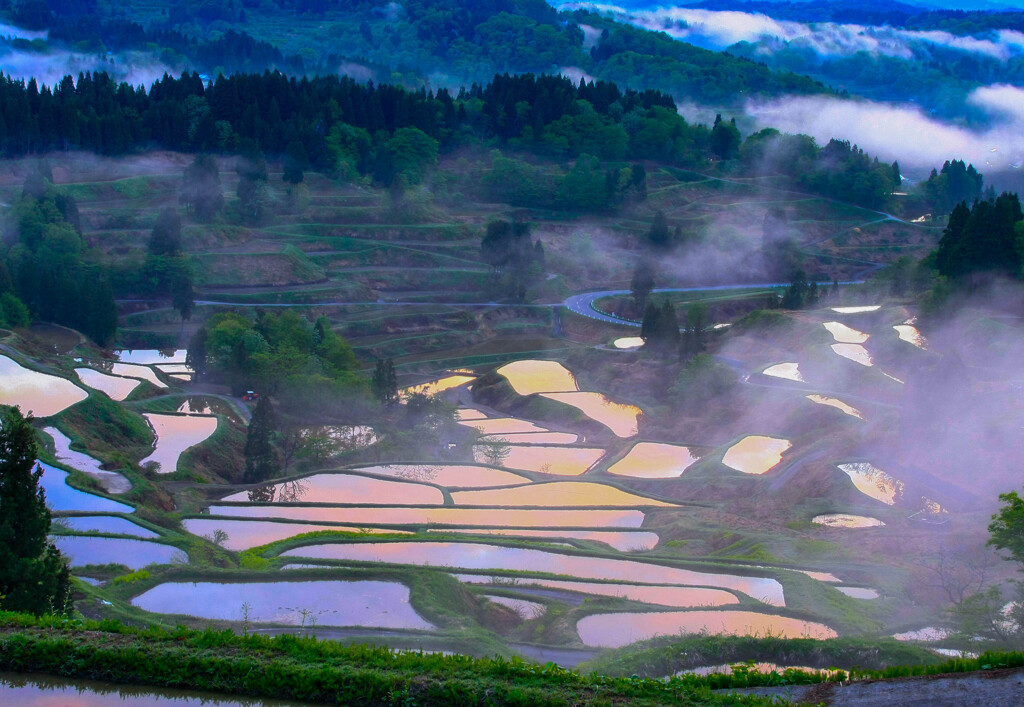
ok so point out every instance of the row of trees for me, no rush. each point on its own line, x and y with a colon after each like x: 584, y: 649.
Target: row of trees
x: 987, y: 237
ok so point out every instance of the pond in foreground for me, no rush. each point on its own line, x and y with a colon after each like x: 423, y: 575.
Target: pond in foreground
x: 324, y: 603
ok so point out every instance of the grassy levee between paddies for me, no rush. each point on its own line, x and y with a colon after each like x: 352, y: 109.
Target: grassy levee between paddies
x: 306, y: 669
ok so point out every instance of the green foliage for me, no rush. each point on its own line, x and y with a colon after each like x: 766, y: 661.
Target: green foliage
x: 262, y: 460
x: 957, y: 183
x: 660, y: 328
x: 166, y: 236
x: 33, y: 576
x: 200, y: 188
x: 132, y: 577
x: 1007, y: 526
x: 385, y: 383
x: 702, y: 380
x: 982, y: 238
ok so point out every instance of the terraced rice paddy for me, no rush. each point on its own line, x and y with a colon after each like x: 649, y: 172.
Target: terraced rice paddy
x: 432, y: 388
x: 675, y: 597
x: 39, y: 393
x: 756, y: 454
x: 654, y: 460
x: 131, y: 370
x: 837, y: 404
x: 115, y: 387
x: 529, y: 377
x: 448, y: 475
x: 846, y: 520
x: 558, y: 461
x: 873, y: 482
x: 244, y: 534
x: 620, y: 629
x: 111, y: 481
x: 786, y: 371
x: 175, y: 434
x: 348, y: 488
x: 113, y: 525
x: 628, y: 342
x: 909, y: 333
x: 620, y: 418
x: 61, y: 497
x: 134, y: 554
x: 623, y: 541
x: 855, y: 353
x: 560, y: 494
x: 844, y: 334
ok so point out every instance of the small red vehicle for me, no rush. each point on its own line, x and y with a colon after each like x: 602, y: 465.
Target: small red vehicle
x: 250, y: 396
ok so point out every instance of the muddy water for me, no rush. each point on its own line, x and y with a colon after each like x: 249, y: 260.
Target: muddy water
x: 106, y: 524
x: 244, y: 534
x: 479, y: 556
x: 873, y: 482
x: 620, y: 418
x: 448, y: 475
x: 115, y: 387
x: 621, y: 629
x: 323, y: 603
x: 148, y: 357
x: 174, y: 435
x: 859, y: 592
x: 909, y: 333
x: 496, y: 517
x: 621, y: 541
x: 837, y: 404
x: 653, y: 460
x: 349, y: 488
x: 845, y: 520
x: 111, y: 481
x: 560, y: 461
x: 503, y: 425
x: 130, y: 370
x: 533, y: 438
x: 529, y: 377
x: 47, y: 691
x: 676, y: 597
x: 844, y: 334
x: 854, y: 352
x: 39, y: 393
x: 61, y: 497
x: 525, y: 609
x: 857, y: 310
x: 560, y: 494
x: 787, y: 371
x: 628, y: 342
x: 134, y: 554
x: 432, y: 388
x: 756, y: 454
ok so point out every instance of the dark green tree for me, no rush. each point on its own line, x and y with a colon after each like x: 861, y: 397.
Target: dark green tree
x: 796, y: 294
x: 166, y: 236
x: 196, y: 356
x: 33, y: 576
x: 1006, y: 530
x: 641, y: 284
x: 201, y: 192
x: 695, y: 334
x: 385, y: 381
x: 659, y: 234
x: 725, y: 138
x: 262, y: 461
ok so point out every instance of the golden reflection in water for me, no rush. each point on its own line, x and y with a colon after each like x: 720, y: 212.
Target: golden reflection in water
x: 836, y: 403
x: 661, y: 595
x: 844, y: 334
x: 845, y: 520
x: 245, y: 534
x: 788, y: 371
x: 621, y: 629
x: 756, y: 454
x: 349, y: 488
x: 174, y: 435
x: 857, y: 310
x: 432, y: 388
x: 439, y: 515
x: 529, y: 377
x: 503, y: 425
x: 620, y: 418
x: 559, y: 461
x: 628, y: 342
x: 527, y: 438
x: 654, y: 460
x: 115, y: 387
x: 556, y: 494
x: 448, y: 475
x: 854, y: 352
x: 909, y: 333
x: 40, y: 393
x: 873, y: 482
x: 623, y: 541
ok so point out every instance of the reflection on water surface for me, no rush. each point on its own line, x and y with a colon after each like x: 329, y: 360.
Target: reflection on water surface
x: 756, y: 454
x: 654, y: 460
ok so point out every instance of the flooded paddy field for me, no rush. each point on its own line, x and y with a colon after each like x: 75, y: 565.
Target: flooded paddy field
x: 39, y: 393
x: 653, y: 460
x: 174, y: 435
x: 134, y: 554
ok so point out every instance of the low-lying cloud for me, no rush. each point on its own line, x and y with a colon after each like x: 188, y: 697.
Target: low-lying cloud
x: 49, y: 68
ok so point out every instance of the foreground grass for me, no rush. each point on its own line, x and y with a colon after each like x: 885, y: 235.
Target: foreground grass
x: 297, y: 668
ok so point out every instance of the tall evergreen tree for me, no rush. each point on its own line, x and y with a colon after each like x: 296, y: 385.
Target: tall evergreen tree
x: 166, y: 236
x: 195, y: 358
x: 385, y: 381
x: 261, y: 458
x: 641, y: 284
x: 33, y: 576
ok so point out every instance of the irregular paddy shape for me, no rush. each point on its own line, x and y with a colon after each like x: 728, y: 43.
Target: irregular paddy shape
x: 845, y: 520
x: 854, y: 352
x: 341, y: 437
x: 873, y: 482
x: 130, y: 370
x: 621, y: 629
x: 244, y: 534
x: 556, y: 494
x: 560, y: 461
x: 348, y: 488
x: 909, y: 333
x: 470, y: 414
x: 448, y: 475
x: 61, y: 497
x: 183, y: 377
x: 837, y: 404
x: 111, y: 481
x: 665, y: 595
x: 503, y: 425
x: 148, y: 357
x: 859, y: 592
x: 134, y: 554
x: 857, y: 310
x: 654, y: 460
x: 174, y: 435
x: 628, y: 342
x: 621, y: 541
x: 479, y: 556
x: 174, y: 368
x: 325, y: 603
x: 115, y: 387
x: 39, y: 393
x: 844, y: 334
x: 496, y: 517
x: 620, y: 418
x: 432, y: 388
x: 756, y: 454
x: 529, y: 377
x: 106, y: 524
x: 533, y: 438
x: 787, y: 371
x: 525, y: 609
